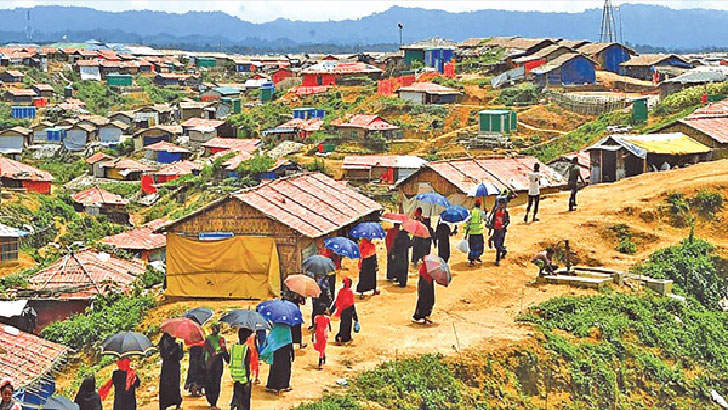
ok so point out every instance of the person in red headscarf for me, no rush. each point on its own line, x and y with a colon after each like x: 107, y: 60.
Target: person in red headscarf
x: 367, y: 268
x: 346, y: 311
x: 320, y: 337
x: 425, y: 296
x: 125, y: 382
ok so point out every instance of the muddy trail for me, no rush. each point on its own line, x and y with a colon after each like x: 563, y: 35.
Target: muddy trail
x: 480, y: 307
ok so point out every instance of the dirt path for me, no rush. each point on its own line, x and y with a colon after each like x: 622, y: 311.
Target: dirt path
x: 483, y: 302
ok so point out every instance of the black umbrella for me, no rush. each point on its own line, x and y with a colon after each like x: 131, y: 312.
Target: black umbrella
x: 199, y: 314
x: 60, y: 403
x: 125, y: 344
x: 318, y: 266
x: 247, y: 319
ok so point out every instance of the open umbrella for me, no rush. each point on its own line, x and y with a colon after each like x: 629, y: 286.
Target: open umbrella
x: 438, y: 269
x: 303, y: 285
x: 485, y: 189
x: 342, y: 246
x: 199, y: 314
x: 280, y: 311
x: 124, y: 344
x: 318, y: 266
x: 184, y: 328
x: 368, y: 230
x: 59, y: 403
x: 416, y: 228
x: 246, y: 319
x: 396, y: 218
x: 454, y: 214
x: 433, y: 198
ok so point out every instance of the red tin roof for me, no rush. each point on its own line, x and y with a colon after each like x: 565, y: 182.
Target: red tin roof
x: 202, y: 122
x: 142, y: 238
x: 17, y: 170
x: 25, y: 358
x: 715, y: 127
x: 166, y: 147
x: 179, y: 168
x: 368, y: 121
x: 248, y: 145
x: 96, y: 195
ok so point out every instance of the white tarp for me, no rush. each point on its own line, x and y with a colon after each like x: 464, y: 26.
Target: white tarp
x: 10, y: 308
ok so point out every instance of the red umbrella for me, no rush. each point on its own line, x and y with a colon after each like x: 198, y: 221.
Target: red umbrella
x: 395, y: 217
x: 184, y: 328
x: 303, y: 285
x: 416, y: 228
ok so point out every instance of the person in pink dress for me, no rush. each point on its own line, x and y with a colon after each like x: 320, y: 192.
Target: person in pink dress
x: 320, y: 336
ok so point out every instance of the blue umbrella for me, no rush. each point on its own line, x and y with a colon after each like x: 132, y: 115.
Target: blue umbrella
x: 280, y: 311
x: 199, y: 314
x: 433, y: 198
x: 318, y: 266
x: 60, y: 403
x: 368, y: 230
x: 484, y: 189
x: 454, y: 214
x: 246, y: 319
x: 342, y: 246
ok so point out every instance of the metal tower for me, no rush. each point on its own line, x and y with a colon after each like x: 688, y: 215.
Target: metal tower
x: 609, y: 24
x: 28, y: 28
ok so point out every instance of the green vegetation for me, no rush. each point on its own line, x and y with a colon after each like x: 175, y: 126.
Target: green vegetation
x: 158, y: 95
x: 125, y: 189
x: 694, y: 268
x: 704, y: 203
x: 257, y: 164
x: 332, y: 402
x: 447, y: 82
x: 522, y: 94
x: 99, y: 98
x: 151, y: 277
x: 624, y: 236
x: 63, y: 171
x: 6, y: 121
x: 108, y: 315
x: 689, y: 97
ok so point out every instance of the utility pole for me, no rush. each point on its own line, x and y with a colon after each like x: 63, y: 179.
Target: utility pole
x: 401, y: 26
x: 608, y: 32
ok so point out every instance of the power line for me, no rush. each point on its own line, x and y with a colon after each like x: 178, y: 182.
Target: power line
x: 608, y: 32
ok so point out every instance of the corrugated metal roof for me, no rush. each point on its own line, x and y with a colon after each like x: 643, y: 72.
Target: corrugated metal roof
x: 8, y: 232
x: 202, y: 122
x: 179, y: 168
x: 714, y: 109
x: 650, y: 59
x: 164, y: 146
x: 389, y: 161
x: 310, y: 124
x: 17, y: 170
x: 126, y: 163
x: 699, y: 77
x: 312, y: 204
x: 85, y: 274
x: 557, y: 62
x: 25, y: 358
x: 248, y: 145
x: 369, y: 121
x: 641, y: 145
x: 429, y: 88
x: 96, y: 195
x: 592, y: 49
x: 143, y: 238
x: 341, y: 68
x: 716, y: 128
x: 99, y: 156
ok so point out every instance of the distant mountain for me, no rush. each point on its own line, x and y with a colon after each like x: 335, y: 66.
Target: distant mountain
x: 656, y: 26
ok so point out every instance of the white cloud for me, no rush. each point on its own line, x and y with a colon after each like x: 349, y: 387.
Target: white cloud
x: 259, y: 11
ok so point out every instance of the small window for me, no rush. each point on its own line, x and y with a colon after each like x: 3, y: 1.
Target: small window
x: 8, y: 251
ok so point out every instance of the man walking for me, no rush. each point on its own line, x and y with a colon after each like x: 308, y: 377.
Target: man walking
x: 574, y: 180
x: 534, y: 192
x: 499, y: 221
x: 474, y: 230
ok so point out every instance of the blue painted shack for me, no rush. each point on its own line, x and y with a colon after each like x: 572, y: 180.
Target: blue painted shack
x: 645, y: 66
x: 306, y: 113
x: 55, y: 134
x: 437, y: 57
x: 608, y: 56
x: 568, y: 69
x: 434, y: 53
x: 22, y: 112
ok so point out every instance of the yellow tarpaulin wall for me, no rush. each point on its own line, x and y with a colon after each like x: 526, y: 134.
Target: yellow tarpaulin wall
x: 237, y: 267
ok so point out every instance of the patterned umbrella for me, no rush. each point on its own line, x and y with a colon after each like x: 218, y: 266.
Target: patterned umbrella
x: 280, y: 311
x: 303, y: 285
x: 184, y: 328
x: 454, y: 214
x: 433, y: 198
x: 368, y: 230
x: 342, y: 246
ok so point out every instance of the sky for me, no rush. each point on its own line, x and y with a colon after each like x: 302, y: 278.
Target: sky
x: 259, y: 11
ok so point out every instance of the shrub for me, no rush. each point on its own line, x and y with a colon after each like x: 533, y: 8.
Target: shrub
x: 332, y: 402
x: 627, y: 246
x: 524, y: 94
x: 707, y: 203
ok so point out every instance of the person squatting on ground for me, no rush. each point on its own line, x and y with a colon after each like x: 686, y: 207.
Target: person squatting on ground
x: 545, y: 263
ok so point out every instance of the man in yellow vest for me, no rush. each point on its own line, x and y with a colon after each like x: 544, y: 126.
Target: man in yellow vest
x: 240, y: 372
x: 474, y: 230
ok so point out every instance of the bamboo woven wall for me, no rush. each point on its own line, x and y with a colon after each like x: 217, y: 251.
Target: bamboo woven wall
x: 439, y: 184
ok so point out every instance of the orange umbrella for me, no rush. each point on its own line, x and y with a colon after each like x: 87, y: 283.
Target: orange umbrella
x: 303, y: 285
x: 184, y: 328
x: 416, y: 228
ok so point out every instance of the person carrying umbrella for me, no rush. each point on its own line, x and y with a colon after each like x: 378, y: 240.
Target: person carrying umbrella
x: 279, y: 353
x: 215, y: 352
x: 6, y: 396
x: 125, y: 382
x: 498, y: 222
x: 296, y: 333
x: 420, y: 246
x: 367, y: 268
x: 474, y: 229
x: 425, y: 296
x: 389, y: 243
x: 346, y: 311
x: 169, y: 378
x: 87, y: 397
x: 240, y: 360
x: 400, y: 257
x: 195, y: 382
x: 442, y: 239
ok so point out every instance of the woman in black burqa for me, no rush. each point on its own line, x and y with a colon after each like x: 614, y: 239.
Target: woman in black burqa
x: 87, y: 398
x: 215, y: 352
x: 169, y: 379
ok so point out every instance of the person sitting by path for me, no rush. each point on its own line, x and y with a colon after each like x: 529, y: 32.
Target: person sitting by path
x: 545, y: 263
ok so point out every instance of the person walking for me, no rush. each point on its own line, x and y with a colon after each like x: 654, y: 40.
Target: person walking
x: 87, y: 397
x: 240, y: 359
x: 195, y: 381
x: 215, y: 353
x: 367, y: 268
x: 574, y: 180
x: 421, y: 246
x: 279, y: 353
x: 442, y: 240
x: 425, y: 297
x: 254, y: 364
x: 346, y: 310
x: 498, y: 221
x: 169, y: 378
x: 474, y: 231
x: 534, y: 192
x: 125, y: 382
x: 389, y: 244
x: 6, y: 396
x: 296, y: 331
x: 400, y: 257
x: 320, y: 336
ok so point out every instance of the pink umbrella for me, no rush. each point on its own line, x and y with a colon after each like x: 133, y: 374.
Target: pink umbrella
x: 184, y: 328
x: 395, y: 217
x: 303, y: 285
x: 438, y: 269
x: 416, y: 228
